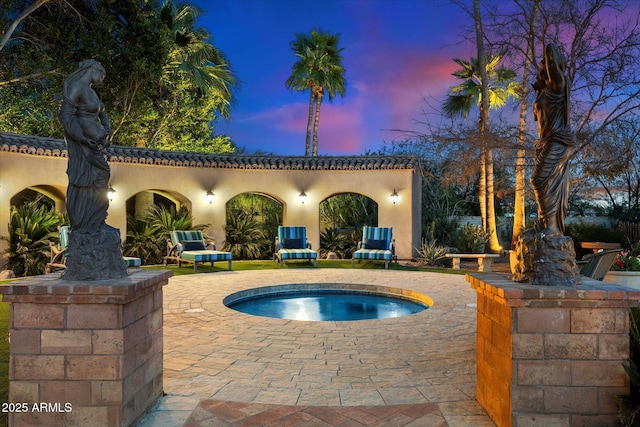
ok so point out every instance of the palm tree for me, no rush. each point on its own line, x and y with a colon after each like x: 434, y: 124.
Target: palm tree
x: 193, y: 55
x: 519, y: 221
x: 501, y: 86
x: 319, y: 69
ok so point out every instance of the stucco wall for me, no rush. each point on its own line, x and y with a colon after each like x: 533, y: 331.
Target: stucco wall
x: 189, y: 185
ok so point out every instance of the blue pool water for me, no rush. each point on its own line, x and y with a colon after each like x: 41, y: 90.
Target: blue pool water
x: 327, y: 305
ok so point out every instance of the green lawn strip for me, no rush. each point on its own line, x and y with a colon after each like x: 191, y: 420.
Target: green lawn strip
x: 273, y: 265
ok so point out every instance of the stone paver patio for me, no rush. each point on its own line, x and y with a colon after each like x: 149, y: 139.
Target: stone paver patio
x: 222, y: 367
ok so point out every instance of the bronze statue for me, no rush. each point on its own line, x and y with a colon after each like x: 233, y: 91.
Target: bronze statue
x: 94, y: 250
x: 544, y: 255
x: 87, y: 132
x: 550, y: 177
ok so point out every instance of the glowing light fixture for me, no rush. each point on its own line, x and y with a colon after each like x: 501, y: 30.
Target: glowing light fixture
x: 209, y: 196
x: 394, y: 196
x: 111, y: 194
x: 302, y: 197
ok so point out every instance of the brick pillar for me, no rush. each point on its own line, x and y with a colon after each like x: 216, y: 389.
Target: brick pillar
x: 85, y: 353
x: 550, y: 355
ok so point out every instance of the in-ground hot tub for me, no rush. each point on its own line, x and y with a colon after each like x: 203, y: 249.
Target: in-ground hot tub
x: 328, y: 302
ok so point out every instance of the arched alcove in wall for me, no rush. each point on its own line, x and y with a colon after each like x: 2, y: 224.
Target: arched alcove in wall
x: 252, y: 221
x: 342, y: 217
x: 143, y: 200
x: 348, y: 210
x: 52, y: 196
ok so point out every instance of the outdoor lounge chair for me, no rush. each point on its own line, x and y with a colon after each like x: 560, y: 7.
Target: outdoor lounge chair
x: 59, y: 253
x: 292, y: 243
x: 377, y: 244
x: 596, y: 265
x: 189, y: 246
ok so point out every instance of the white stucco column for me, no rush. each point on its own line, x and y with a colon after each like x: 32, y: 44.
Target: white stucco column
x: 213, y: 213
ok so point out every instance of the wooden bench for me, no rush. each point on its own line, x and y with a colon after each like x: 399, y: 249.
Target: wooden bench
x: 484, y: 260
x: 600, y: 246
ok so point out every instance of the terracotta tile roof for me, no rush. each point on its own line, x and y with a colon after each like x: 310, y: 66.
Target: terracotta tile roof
x: 53, y: 147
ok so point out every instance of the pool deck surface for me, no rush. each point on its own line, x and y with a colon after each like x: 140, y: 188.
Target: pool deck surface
x: 226, y: 368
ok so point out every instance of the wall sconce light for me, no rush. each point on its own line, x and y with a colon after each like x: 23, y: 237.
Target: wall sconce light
x: 111, y: 194
x: 302, y: 197
x: 394, y: 196
x: 209, y: 196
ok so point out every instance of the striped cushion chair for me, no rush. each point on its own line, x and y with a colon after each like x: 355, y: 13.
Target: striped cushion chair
x: 377, y: 244
x: 59, y: 256
x: 189, y: 246
x: 292, y: 243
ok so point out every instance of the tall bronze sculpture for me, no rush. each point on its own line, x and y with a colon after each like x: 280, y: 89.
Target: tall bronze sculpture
x: 94, y: 250
x: 545, y: 256
x: 550, y: 176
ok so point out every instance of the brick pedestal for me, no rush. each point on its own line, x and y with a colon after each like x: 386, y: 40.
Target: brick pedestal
x: 551, y: 355
x: 85, y: 353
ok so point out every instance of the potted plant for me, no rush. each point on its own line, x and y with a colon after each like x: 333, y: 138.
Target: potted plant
x: 625, y: 270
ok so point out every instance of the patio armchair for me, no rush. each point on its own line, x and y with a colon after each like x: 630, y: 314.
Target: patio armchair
x: 377, y: 244
x: 190, y: 246
x: 58, y: 253
x: 596, y: 265
x: 292, y: 244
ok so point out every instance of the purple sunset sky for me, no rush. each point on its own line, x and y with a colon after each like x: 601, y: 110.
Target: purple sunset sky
x: 397, y: 53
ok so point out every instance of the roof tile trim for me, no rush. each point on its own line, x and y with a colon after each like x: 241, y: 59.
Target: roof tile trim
x: 53, y: 147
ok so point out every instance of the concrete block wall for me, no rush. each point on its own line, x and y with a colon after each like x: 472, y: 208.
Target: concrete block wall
x: 551, y: 355
x: 85, y: 354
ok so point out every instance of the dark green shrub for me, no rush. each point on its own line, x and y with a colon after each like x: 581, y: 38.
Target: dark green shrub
x: 32, y: 227
x: 332, y: 240
x: 471, y: 239
x: 245, y: 238
x: 147, y: 234
x: 144, y: 242
x: 443, y: 229
x: 352, y: 238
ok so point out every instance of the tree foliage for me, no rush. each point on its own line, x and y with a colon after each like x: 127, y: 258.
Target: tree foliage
x: 348, y: 210
x: 501, y: 86
x: 601, y: 40
x: 602, y: 44
x: 166, y: 82
x: 487, y: 86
